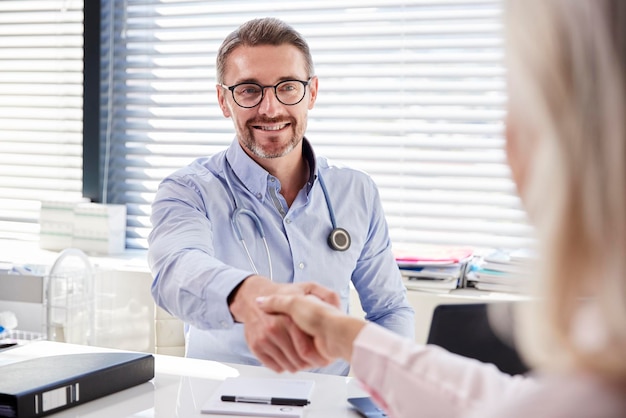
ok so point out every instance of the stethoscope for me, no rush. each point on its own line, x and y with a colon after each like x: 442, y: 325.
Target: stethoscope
x: 338, y: 239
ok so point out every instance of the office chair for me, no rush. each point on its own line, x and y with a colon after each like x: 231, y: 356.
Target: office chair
x: 465, y: 329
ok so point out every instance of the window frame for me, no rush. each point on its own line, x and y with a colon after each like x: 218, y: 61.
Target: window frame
x: 92, y: 162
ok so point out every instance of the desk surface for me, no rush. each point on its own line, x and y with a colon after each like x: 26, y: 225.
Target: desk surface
x: 182, y: 385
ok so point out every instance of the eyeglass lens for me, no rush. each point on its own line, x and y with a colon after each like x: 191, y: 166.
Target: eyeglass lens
x: 288, y: 92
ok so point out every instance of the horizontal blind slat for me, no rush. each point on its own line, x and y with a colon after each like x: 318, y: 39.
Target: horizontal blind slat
x: 40, y: 109
x: 412, y: 92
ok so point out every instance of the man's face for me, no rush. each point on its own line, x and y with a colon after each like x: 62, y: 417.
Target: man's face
x: 271, y: 129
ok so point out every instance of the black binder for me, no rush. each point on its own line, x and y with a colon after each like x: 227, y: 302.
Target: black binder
x: 46, y: 385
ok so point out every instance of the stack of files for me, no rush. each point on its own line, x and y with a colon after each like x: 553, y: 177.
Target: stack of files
x: 433, y: 268
x: 501, y: 271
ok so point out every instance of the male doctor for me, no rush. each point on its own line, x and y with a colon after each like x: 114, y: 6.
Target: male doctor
x: 267, y: 216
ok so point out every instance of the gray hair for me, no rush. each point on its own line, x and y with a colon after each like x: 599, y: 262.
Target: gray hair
x: 266, y: 31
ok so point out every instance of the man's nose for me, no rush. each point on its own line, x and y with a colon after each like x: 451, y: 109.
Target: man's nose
x: 269, y: 103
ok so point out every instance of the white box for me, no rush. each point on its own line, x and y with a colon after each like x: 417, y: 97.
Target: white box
x: 99, y: 228
x: 56, y: 222
x: 55, y: 236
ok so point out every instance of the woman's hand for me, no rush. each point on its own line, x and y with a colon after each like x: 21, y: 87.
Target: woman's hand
x: 332, y: 331
x: 276, y: 341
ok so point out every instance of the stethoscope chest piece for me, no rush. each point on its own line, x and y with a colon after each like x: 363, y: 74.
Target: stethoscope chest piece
x: 339, y: 239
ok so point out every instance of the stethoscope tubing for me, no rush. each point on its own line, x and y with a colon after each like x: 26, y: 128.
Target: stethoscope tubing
x: 339, y: 238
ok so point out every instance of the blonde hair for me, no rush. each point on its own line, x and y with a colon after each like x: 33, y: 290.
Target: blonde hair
x: 567, y: 92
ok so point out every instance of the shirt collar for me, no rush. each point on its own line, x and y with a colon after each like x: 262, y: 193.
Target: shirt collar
x: 253, y: 176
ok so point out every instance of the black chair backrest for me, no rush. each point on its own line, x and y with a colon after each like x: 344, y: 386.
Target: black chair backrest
x: 465, y: 329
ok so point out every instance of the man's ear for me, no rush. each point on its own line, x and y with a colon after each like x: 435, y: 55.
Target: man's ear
x: 312, y: 92
x: 221, y: 99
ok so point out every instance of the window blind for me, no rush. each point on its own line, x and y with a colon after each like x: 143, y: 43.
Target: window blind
x: 40, y: 110
x: 411, y: 92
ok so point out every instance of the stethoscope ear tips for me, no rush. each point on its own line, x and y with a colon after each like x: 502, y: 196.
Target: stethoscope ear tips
x: 339, y: 239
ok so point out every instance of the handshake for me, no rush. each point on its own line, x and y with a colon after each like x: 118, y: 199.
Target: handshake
x: 296, y: 326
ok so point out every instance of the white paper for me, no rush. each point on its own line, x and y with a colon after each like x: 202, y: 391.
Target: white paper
x: 259, y: 387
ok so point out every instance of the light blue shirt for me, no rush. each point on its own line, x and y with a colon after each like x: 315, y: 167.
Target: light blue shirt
x: 197, y: 260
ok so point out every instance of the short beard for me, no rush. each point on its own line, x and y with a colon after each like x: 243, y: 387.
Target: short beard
x: 251, y: 145
x: 260, y: 152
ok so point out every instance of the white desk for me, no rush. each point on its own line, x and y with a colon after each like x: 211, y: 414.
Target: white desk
x: 182, y: 385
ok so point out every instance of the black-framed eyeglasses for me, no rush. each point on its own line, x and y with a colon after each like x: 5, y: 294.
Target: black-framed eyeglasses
x: 288, y: 92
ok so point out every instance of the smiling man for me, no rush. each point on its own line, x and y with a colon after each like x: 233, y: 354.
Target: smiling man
x: 267, y: 216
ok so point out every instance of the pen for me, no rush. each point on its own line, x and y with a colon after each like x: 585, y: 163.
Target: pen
x: 267, y: 401
x: 7, y: 345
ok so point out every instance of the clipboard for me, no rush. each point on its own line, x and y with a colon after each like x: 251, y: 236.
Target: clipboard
x: 258, y: 387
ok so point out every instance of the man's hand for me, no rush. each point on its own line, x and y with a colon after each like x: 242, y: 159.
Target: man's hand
x: 333, y: 331
x: 274, y: 339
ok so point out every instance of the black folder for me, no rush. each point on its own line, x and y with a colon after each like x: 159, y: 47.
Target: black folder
x: 46, y: 385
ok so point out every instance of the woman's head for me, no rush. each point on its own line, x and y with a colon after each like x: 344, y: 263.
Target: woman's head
x: 566, y: 143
